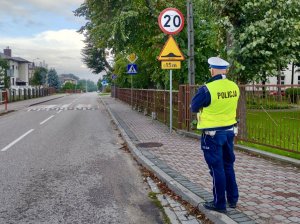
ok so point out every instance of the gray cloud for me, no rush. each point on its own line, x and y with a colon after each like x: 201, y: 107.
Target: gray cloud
x: 18, y: 7
x: 23, y: 12
x: 59, y: 49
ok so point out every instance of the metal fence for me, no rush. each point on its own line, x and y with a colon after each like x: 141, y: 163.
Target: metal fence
x: 28, y: 93
x: 269, y: 114
x: 3, y: 98
x: 151, y: 102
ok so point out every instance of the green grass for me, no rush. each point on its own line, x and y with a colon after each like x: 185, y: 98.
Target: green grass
x: 280, y: 128
x: 104, y: 94
x: 271, y: 150
x: 267, y: 103
x: 157, y: 203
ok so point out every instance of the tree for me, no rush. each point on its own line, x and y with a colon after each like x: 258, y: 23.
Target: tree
x: 53, y: 80
x: 130, y: 27
x: 4, y: 79
x: 95, y: 58
x: 84, y: 84
x: 93, y: 55
x: 209, y: 37
x: 39, y: 76
x: 99, y: 84
x: 69, y: 86
x: 265, y: 37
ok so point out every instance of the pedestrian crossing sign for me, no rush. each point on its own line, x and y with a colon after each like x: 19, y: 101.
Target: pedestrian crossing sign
x: 132, y: 69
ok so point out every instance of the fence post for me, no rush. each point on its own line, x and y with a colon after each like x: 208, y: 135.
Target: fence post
x: 154, y: 101
x: 187, y: 103
x: 6, y: 99
x: 165, y: 118
x: 180, y: 92
x: 147, y: 105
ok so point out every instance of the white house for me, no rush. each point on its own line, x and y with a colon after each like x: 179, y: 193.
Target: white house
x: 64, y: 78
x: 18, y: 69
x: 286, y: 77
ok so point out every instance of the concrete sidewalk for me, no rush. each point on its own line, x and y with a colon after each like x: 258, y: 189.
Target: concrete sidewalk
x: 26, y: 103
x: 269, y: 190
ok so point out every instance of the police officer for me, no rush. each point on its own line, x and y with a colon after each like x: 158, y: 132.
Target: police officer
x: 215, y: 104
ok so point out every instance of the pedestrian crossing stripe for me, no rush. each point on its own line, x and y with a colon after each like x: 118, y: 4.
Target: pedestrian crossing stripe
x: 62, y: 107
x: 65, y: 108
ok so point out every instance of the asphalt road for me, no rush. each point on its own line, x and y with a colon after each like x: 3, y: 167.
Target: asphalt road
x: 61, y: 162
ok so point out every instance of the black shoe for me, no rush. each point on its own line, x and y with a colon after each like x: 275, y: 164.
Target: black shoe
x: 231, y: 205
x: 210, y: 206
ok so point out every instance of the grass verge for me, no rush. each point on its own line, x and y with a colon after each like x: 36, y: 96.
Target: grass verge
x: 157, y: 203
x: 104, y: 94
x: 271, y: 150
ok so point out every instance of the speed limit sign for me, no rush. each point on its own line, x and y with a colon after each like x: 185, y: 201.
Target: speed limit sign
x: 171, y: 21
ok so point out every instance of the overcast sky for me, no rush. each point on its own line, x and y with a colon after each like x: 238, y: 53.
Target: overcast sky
x: 45, y: 30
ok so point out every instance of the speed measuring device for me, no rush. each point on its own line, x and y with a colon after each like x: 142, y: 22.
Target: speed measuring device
x: 171, y: 21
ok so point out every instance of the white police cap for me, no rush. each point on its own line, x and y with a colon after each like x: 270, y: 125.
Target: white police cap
x: 218, y: 63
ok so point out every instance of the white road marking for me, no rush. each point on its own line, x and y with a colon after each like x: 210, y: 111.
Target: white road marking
x: 65, y: 105
x: 59, y: 111
x: 17, y: 140
x: 43, y: 122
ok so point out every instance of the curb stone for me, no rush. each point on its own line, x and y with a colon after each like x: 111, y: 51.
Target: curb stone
x: 171, y: 182
x: 173, y: 210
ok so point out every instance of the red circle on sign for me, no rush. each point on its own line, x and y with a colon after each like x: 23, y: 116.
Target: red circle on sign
x: 166, y: 27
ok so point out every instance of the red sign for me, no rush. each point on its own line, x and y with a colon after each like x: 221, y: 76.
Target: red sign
x: 171, y: 21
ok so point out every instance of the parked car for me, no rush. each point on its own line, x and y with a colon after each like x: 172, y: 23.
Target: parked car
x: 275, y: 93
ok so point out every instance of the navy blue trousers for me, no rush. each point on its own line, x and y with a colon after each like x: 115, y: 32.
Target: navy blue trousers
x: 219, y: 156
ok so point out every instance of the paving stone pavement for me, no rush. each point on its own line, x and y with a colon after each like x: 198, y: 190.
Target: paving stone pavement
x: 269, y: 190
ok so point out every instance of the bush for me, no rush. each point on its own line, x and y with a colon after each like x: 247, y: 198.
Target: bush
x: 267, y: 104
x: 293, y: 94
x: 107, y: 89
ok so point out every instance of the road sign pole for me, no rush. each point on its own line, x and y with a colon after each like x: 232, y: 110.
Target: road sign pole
x: 171, y: 105
x: 131, y: 93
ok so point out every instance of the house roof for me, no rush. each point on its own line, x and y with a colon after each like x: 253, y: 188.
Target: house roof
x: 17, y: 59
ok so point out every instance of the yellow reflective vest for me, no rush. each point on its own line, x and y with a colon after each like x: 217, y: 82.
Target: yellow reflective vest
x: 222, y: 110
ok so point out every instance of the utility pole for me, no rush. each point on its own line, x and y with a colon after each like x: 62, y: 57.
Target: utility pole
x: 293, y: 72
x: 191, y: 42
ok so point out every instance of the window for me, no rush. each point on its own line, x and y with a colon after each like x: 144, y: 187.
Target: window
x: 282, y: 80
x: 299, y: 79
